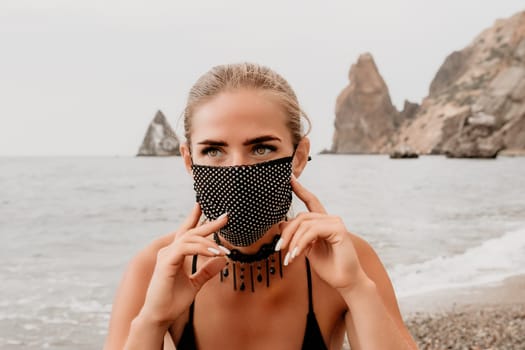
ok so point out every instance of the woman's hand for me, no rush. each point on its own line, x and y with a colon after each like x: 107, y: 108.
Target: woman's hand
x: 325, y: 241
x: 172, y: 289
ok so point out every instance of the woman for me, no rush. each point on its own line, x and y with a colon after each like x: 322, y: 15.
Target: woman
x: 249, y: 277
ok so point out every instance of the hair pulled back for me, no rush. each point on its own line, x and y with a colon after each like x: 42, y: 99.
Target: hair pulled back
x: 231, y: 77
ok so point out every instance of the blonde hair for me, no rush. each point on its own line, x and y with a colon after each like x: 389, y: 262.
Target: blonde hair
x: 231, y: 77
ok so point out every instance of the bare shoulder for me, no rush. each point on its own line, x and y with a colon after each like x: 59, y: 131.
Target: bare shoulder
x: 141, y: 266
x: 145, y: 259
x: 375, y: 270
x: 369, y: 259
x: 132, y: 291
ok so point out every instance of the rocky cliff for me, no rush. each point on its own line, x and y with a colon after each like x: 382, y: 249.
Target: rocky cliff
x: 365, y: 116
x: 160, y: 139
x: 475, y: 106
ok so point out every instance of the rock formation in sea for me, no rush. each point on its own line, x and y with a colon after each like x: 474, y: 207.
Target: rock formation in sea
x: 475, y: 106
x: 403, y: 151
x: 160, y: 139
x: 364, y: 114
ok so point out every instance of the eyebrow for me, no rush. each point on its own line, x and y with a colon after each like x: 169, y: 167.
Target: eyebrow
x: 261, y: 139
x: 212, y: 143
x: 248, y: 142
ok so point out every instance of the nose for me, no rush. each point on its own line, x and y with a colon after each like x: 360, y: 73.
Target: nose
x: 239, y: 158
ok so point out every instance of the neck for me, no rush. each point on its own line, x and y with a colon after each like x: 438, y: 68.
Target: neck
x: 253, y: 248
x: 250, y: 268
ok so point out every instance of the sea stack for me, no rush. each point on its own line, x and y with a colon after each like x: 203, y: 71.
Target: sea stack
x: 160, y: 139
x: 364, y: 115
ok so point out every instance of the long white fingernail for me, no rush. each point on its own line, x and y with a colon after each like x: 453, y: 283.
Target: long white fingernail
x: 224, y: 249
x: 286, y: 259
x: 214, y: 251
x: 222, y: 216
x: 279, y: 244
x: 294, y: 251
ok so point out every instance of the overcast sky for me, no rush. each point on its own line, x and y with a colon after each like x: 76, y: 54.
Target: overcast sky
x: 81, y: 77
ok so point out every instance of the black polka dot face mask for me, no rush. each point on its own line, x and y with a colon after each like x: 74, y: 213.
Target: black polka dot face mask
x: 254, y: 196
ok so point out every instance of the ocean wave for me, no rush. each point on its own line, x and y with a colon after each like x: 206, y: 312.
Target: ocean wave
x: 491, y: 261
x: 70, y: 311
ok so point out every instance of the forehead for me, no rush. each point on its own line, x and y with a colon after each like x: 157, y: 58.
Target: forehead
x: 238, y: 115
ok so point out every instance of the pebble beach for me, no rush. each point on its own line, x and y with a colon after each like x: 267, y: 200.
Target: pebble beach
x: 484, y: 317
x: 495, y: 327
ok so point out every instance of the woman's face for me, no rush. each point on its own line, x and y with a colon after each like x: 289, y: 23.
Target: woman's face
x: 240, y: 127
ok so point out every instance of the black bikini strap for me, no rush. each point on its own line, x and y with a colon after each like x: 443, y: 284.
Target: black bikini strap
x: 194, y: 264
x: 309, y: 275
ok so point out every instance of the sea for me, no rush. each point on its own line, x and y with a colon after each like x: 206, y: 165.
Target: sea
x: 69, y: 226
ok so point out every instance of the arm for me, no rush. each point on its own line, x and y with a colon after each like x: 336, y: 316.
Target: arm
x: 374, y: 320
x: 157, y: 290
x: 350, y: 266
x: 132, y: 292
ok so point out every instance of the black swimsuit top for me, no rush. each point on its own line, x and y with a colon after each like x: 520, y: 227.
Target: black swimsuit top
x: 313, y: 338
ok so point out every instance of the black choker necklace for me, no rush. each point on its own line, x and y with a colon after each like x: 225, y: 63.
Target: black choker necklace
x: 265, y: 257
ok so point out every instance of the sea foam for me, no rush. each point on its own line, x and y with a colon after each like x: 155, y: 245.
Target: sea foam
x: 492, y: 261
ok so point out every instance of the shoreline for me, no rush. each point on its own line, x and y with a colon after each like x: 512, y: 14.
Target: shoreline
x: 490, y: 316
x: 506, y: 292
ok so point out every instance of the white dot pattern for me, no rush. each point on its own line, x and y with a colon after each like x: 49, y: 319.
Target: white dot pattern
x: 254, y: 196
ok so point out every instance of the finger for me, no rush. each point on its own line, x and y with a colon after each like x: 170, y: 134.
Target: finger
x: 310, y: 235
x: 179, y: 247
x: 294, y: 230
x: 201, y: 241
x: 299, y: 232
x: 212, y: 246
x: 174, y: 255
x: 306, y: 234
x: 210, y: 227
x: 193, y: 219
x: 211, y: 268
x: 312, y: 203
x: 288, y: 228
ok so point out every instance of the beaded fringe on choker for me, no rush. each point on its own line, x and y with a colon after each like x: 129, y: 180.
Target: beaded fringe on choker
x: 251, y: 270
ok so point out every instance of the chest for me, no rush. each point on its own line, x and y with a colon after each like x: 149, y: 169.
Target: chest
x: 250, y: 329
x: 249, y: 321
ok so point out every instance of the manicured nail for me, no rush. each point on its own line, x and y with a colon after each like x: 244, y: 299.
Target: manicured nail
x: 294, y: 251
x: 286, y: 259
x: 214, y: 251
x: 225, y: 250
x: 279, y: 244
x: 222, y: 216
